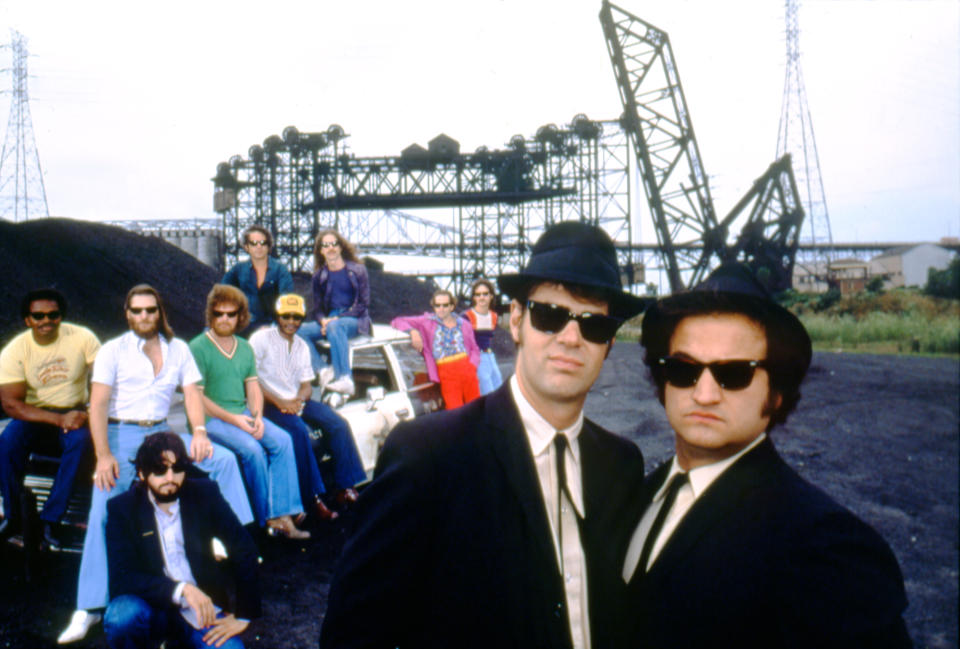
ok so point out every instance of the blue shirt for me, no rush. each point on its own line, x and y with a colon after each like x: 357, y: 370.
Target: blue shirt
x: 260, y: 300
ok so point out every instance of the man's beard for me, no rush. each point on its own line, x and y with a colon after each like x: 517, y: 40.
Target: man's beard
x: 167, y: 497
x: 146, y: 334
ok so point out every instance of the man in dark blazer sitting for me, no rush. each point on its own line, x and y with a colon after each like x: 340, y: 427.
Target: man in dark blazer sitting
x: 467, y: 536
x: 164, y: 577
x: 733, y: 548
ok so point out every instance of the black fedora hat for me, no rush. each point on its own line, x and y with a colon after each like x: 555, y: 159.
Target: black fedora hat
x: 575, y: 253
x: 734, y: 282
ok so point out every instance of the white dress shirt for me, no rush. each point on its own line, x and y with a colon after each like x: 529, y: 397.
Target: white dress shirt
x: 569, y: 551
x: 136, y: 393
x: 281, y: 367
x: 699, y: 480
x: 175, y: 564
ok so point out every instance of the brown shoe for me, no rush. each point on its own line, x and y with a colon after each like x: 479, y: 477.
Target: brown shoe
x: 323, y: 512
x: 283, y: 526
x: 346, y: 497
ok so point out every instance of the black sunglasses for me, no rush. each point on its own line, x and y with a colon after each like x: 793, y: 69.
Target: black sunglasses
x: 262, y: 243
x: 137, y: 310
x: 729, y: 375
x: 40, y: 315
x: 180, y: 466
x: 229, y: 314
x: 594, y: 327
x: 291, y: 316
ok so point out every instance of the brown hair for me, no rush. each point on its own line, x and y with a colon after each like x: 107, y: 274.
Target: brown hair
x: 347, y: 251
x: 146, y: 289
x: 225, y: 293
x: 484, y: 282
x: 262, y: 230
x: 440, y: 292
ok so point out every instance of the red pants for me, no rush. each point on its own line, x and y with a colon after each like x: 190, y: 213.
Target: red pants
x: 458, y: 382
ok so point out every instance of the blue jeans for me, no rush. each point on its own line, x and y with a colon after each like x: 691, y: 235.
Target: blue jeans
x: 269, y: 467
x: 339, y: 333
x: 347, y: 466
x: 131, y: 623
x: 488, y: 374
x: 15, y: 443
x: 124, y: 440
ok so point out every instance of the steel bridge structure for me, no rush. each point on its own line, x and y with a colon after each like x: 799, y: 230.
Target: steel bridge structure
x: 481, y: 210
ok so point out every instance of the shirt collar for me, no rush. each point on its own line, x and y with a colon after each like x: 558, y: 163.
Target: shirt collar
x: 703, y: 476
x: 540, y: 432
x: 140, y: 342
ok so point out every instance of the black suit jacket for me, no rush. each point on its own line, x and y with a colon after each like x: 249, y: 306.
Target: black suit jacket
x: 135, y: 556
x: 452, y: 546
x: 765, y: 559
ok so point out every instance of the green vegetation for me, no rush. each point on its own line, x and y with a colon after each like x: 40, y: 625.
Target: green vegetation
x: 946, y: 282
x: 897, y: 321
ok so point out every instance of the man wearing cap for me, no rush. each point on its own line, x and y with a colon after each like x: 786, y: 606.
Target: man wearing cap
x: 488, y: 526
x: 285, y: 371
x: 733, y: 547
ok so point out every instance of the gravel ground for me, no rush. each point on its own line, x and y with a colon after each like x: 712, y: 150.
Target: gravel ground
x: 879, y: 433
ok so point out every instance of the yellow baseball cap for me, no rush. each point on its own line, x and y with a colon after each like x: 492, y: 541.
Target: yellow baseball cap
x: 290, y: 304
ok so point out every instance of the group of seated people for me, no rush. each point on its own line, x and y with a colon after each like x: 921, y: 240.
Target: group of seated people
x: 248, y: 407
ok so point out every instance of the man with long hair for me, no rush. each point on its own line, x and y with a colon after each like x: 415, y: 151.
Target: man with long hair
x: 134, y: 378
x: 233, y: 404
x: 341, y: 303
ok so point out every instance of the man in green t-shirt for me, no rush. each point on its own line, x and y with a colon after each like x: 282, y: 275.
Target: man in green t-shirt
x: 43, y: 387
x: 234, y: 407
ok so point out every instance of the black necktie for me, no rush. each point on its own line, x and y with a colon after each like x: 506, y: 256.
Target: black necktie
x: 560, y: 448
x: 676, y: 483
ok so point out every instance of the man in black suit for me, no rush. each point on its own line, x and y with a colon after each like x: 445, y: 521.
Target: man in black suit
x: 733, y: 548
x: 164, y: 577
x: 467, y: 537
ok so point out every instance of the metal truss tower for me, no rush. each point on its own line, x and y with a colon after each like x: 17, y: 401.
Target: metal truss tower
x: 497, y: 202
x: 795, y: 136
x: 22, y: 193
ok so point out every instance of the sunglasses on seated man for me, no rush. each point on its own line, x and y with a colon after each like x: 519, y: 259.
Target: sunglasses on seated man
x: 551, y: 318
x: 180, y: 466
x: 291, y: 316
x: 683, y: 372
x: 49, y: 315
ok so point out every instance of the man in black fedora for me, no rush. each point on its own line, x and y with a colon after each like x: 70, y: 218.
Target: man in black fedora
x: 730, y: 546
x: 489, y: 525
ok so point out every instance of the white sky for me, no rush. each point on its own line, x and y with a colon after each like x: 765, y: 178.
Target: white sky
x: 133, y: 108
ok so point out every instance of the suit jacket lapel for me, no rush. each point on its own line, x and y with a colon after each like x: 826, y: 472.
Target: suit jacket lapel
x: 508, y: 441
x: 150, y: 542
x: 720, y: 498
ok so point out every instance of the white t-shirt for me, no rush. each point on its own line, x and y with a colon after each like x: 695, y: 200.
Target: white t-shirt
x: 281, y: 367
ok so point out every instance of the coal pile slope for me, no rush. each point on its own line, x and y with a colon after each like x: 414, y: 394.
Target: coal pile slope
x: 94, y: 265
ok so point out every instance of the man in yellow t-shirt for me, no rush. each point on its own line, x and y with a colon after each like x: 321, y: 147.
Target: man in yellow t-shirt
x: 43, y: 387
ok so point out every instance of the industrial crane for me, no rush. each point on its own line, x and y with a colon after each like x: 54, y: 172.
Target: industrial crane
x: 761, y: 230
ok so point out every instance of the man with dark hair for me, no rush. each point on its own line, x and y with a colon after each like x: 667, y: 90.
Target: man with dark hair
x: 44, y: 373
x: 285, y: 372
x: 489, y: 525
x: 164, y: 579
x: 133, y: 382
x: 233, y: 403
x: 262, y: 278
x: 733, y: 547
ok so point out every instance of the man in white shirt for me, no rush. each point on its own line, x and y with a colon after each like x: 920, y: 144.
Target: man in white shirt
x: 134, y: 377
x: 489, y: 525
x: 165, y: 583
x: 732, y: 547
x: 285, y: 371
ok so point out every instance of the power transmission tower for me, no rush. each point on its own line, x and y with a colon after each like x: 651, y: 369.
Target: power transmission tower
x: 795, y: 136
x: 22, y: 194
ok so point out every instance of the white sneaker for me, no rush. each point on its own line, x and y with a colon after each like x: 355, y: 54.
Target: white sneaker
x: 343, y: 385
x: 325, y: 377
x: 80, y: 624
